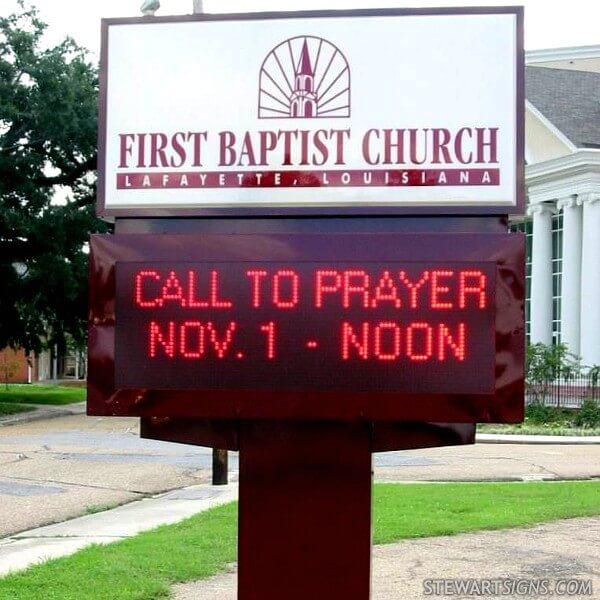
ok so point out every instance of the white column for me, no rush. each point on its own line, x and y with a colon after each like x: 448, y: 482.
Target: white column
x: 590, y: 280
x: 541, y: 273
x: 571, y: 274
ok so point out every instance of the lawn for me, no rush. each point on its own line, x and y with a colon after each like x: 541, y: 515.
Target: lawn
x: 41, y: 394
x: 9, y: 408
x: 144, y: 567
x: 423, y: 510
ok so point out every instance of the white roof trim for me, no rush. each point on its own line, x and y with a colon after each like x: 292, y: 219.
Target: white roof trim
x: 581, y: 161
x: 552, y: 128
x: 533, y: 57
x: 559, y: 178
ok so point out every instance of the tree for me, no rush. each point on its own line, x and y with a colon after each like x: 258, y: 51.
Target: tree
x: 47, y: 150
x: 546, y: 363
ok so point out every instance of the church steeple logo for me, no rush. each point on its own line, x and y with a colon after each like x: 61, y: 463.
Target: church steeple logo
x: 304, y: 77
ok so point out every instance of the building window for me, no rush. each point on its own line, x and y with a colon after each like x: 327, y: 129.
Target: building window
x: 557, y: 240
x: 526, y: 226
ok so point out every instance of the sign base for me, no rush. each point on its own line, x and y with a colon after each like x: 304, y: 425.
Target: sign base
x: 305, y: 511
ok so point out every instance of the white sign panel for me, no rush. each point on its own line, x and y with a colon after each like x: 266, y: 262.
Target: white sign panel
x: 373, y: 111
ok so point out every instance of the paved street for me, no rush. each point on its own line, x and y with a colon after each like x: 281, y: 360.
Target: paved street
x: 60, y: 468
x: 56, y: 469
x: 484, y: 462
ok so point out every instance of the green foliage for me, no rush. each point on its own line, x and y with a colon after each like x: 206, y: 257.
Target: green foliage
x: 47, y: 139
x: 548, y: 429
x: 539, y: 414
x: 594, y: 376
x: 9, y: 408
x: 42, y: 394
x: 589, y: 414
x: 549, y: 420
x: 544, y: 364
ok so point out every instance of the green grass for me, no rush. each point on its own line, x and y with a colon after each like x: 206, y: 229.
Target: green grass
x: 41, y: 394
x: 8, y: 408
x: 144, y: 567
x: 423, y: 510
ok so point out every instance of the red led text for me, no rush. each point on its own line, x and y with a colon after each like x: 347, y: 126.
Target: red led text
x: 443, y: 289
x: 417, y: 341
x: 153, y: 290
x: 412, y: 313
x: 190, y: 339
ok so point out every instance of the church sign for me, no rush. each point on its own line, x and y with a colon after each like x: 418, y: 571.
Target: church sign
x: 362, y: 112
x: 308, y: 342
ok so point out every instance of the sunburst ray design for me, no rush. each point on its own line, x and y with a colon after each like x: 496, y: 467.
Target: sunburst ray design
x: 304, y: 77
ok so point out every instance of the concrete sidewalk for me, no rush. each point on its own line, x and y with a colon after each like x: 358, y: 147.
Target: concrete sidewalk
x: 37, y: 545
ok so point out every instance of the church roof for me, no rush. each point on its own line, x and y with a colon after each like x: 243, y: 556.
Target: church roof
x: 304, y: 66
x: 569, y: 99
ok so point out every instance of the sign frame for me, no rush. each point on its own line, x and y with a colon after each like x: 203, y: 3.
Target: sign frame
x: 504, y: 405
x: 373, y: 209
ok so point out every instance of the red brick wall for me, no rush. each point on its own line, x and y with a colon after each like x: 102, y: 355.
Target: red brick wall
x: 10, y: 357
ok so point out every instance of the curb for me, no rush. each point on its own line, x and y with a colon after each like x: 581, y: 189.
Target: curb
x: 495, y: 438
x: 42, y: 413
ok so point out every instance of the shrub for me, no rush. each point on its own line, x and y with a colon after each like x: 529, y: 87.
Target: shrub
x: 588, y: 415
x: 539, y: 414
x: 544, y: 364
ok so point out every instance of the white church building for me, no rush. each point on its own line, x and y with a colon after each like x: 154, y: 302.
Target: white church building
x: 562, y: 179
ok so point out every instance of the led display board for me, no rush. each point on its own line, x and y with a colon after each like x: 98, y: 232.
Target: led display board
x: 425, y: 327
x: 385, y: 325
x: 329, y: 112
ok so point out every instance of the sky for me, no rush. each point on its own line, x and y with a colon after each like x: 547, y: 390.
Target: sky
x: 548, y: 23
